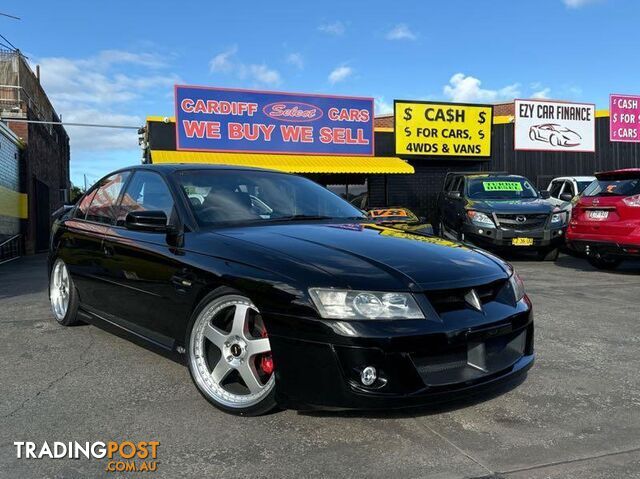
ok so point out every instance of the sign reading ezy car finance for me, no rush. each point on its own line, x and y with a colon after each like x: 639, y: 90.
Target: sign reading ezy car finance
x: 543, y: 125
x: 624, y: 118
x: 442, y: 129
x: 218, y: 119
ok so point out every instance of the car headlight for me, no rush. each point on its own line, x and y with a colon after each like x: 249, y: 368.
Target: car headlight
x: 559, y: 218
x: 479, y: 218
x: 349, y: 304
x: 517, y: 286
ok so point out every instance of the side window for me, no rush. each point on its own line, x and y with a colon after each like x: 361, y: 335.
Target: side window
x: 568, y: 188
x: 556, y: 186
x: 448, y: 182
x: 83, y: 206
x: 453, y: 185
x: 103, y: 206
x: 145, y: 192
x: 460, y: 187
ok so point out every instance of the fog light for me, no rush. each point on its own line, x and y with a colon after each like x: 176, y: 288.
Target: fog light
x: 368, y: 376
x: 480, y: 231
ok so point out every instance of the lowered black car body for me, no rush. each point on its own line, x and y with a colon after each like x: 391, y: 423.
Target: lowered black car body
x: 156, y: 284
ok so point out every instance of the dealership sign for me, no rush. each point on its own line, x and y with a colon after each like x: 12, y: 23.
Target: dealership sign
x: 218, y: 119
x: 554, y: 126
x: 624, y: 118
x: 442, y: 129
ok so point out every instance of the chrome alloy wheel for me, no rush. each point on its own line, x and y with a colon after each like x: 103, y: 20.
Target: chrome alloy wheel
x: 59, y: 289
x: 230, y: 354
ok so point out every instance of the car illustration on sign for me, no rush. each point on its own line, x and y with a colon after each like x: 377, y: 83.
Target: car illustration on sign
x: 555, y: 135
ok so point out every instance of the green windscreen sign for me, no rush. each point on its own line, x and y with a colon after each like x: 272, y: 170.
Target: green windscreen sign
x: 502, y: 185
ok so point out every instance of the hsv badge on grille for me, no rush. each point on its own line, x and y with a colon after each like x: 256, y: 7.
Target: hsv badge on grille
x: 472, y: 300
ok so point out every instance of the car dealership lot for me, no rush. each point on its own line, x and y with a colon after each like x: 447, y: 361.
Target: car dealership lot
x: 576, y: 415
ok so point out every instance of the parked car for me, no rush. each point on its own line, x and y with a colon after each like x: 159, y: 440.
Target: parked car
x: 605, y: 224
x: 555, y: 135
x: 314, y: 306
x: 564, y: 189
x: 401, y: 218
x: 497, y: 210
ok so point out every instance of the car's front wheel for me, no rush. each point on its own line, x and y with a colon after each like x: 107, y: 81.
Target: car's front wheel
x: 63, y: 295
x: 230, y: 355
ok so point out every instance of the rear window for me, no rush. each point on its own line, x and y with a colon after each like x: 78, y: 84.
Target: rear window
x: 628, y: 187
x: 582, y: 185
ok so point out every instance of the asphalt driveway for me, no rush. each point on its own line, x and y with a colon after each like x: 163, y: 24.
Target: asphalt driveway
x: 577, y: 415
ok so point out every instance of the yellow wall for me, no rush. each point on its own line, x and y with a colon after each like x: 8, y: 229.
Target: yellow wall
x: 13, y: 204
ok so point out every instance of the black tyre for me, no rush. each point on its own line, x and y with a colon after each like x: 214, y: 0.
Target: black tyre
x: 604, y: 263
x: 63, y: 295
x: 229, y: 355
x: 548, y: 254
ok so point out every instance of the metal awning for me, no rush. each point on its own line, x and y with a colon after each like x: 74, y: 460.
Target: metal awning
x: 290, y: 163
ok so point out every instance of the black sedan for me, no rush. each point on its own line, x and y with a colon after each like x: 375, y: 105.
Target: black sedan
x: 276, y: 292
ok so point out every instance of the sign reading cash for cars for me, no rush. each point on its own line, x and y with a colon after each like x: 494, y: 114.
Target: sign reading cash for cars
x: 442, y: 129
x: 555, y: 126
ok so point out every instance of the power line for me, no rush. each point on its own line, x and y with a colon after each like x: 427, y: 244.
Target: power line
x: 10, y: 16
x: 66, y: 123
x: 6, y: 40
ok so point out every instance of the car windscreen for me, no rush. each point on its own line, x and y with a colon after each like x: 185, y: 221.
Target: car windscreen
x: 221, y: 197
x: 626, y: 187
x: 500, y: 188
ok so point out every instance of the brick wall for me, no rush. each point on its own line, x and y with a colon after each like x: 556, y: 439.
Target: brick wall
x: 46, y: 161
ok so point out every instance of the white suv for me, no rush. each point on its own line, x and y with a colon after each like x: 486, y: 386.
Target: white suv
x: 565, y: 188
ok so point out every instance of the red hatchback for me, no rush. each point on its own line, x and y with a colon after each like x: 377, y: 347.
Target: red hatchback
x: 605, y: 223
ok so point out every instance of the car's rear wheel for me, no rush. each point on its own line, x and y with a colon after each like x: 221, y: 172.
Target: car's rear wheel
x: 602, y: 262
x: 63, y: 295
x: 230, y: 355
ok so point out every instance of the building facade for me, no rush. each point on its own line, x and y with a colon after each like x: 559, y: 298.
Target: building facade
x: 12, y: 202
x: 44, y: 159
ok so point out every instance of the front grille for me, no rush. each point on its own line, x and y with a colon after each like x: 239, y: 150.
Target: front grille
x: 471, y: 361
x: 515, y: 222
x: 446, y: 300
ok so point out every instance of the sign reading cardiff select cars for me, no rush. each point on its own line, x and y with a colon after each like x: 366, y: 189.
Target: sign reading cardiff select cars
x: 217, y: 119
x: 442, y: 129
x: 624, y: 118
x: 555, y: 126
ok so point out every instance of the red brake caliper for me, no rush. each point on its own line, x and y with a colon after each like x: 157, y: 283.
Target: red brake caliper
x: 266, y: 361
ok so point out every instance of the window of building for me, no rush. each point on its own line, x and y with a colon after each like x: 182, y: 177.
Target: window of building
x: 102, y: 208
x: 146, y: 191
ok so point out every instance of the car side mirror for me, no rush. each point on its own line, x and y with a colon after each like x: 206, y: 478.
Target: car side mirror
x: 566, y: 196
x: 454, y: 194
x: 151, y: 220
x: 545, y: 195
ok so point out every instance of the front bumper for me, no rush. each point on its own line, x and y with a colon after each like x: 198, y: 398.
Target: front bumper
x: 424, y: 362
x: 503, y: 238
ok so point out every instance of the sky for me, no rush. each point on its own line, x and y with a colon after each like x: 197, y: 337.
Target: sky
x: 116, y: 62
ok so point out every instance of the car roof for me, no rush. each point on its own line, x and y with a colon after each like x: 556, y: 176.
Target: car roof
x: 577, y: 178
x: 626, y: 173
